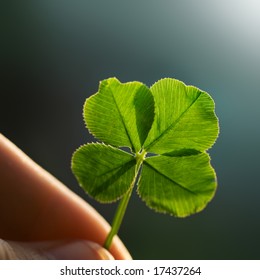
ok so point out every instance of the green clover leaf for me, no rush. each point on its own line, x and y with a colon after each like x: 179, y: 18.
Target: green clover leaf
x: 168, y: 129
x: 120, y: 114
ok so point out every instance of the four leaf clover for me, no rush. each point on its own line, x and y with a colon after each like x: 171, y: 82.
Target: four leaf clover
x: 167, y: 128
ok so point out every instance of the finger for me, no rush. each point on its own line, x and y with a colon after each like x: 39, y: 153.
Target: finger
x: 36, y: 206
x: 54, y: 250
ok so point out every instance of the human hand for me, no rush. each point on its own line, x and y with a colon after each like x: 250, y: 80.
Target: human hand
x: 43, y: 218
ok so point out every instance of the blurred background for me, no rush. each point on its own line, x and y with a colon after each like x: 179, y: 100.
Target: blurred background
x: 53, y: 55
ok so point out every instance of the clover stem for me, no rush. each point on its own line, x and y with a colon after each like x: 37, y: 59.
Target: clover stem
x: 120, y: 211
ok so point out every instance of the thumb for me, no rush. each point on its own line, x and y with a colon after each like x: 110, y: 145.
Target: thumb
x: 54, y: 250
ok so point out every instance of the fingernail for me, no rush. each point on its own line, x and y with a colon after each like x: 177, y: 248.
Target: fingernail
x: 78, y: 250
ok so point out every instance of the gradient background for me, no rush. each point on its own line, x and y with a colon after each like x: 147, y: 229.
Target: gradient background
x: 53, y: 55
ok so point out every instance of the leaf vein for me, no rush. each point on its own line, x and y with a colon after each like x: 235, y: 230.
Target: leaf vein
x: 169, y: 128
x: 123, y: 121
x: 170, y: 179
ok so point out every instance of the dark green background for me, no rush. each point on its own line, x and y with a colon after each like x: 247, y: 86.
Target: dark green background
x: 53, y: 55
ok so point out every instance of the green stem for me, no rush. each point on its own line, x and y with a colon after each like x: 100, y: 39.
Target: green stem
x: 120, y: 211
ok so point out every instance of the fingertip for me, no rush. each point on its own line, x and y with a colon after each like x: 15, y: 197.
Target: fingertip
x: 34, y: 207
x: 53, y: 250
x: 77, y: 250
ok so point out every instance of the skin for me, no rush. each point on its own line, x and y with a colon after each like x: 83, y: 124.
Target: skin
x: 35, y: 206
